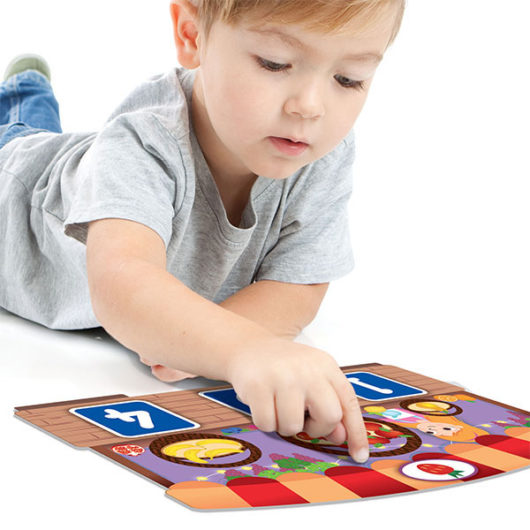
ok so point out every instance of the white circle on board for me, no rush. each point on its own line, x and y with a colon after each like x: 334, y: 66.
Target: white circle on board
x: 438, y: 469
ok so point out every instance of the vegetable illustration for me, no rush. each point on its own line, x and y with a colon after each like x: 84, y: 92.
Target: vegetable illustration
x: 439, y: 469
x: 380, y: 434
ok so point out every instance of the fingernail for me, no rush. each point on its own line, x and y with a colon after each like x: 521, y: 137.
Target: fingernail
x: 362, y: 455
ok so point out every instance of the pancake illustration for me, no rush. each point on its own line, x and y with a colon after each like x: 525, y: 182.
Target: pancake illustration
x: 431, y: 407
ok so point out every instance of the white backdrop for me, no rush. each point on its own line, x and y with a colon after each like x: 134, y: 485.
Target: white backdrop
x: 440, y: 226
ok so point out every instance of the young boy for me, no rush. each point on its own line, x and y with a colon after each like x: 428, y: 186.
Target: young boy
x: 202, y: 225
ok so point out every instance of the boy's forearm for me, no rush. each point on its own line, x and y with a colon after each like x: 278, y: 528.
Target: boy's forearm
x: 152, y: 313
x: 285, y: 309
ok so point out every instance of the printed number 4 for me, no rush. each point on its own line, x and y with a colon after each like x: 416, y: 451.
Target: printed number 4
x: 143, y: 417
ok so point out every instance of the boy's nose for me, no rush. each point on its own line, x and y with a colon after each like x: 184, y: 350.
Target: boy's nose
x: 308, y: 116
x: 307, y: 104
x: 307, y: 112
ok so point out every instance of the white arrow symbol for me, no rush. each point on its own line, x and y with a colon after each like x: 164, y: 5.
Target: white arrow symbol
x: 357, y: 381
x: 144, y: 418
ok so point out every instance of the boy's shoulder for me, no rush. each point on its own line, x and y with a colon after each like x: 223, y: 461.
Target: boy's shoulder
x: 164, y: 97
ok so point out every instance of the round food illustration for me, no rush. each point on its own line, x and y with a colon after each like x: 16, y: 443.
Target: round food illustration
x: 385, y: 439
x: 439, y: 469
x: 205, y: 450
x: 128, y: 449
x: 431, y: 407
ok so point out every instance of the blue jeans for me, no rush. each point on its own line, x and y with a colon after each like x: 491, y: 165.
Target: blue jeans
x: 27, y: 106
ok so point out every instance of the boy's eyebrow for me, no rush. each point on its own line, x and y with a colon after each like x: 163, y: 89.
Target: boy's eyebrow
x: 295, y: 43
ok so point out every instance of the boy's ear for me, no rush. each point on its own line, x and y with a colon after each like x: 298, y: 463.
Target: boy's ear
x: 185, y: 32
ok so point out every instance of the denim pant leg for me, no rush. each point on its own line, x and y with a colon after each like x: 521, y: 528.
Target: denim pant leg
x: 27, y: 106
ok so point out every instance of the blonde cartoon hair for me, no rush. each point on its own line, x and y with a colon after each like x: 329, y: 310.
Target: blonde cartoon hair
x: 466, y: 434
x: 323, y: 16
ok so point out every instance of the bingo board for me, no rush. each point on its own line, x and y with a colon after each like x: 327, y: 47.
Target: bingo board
x: 202, y: 447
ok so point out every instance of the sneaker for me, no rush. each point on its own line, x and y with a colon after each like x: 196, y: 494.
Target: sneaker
x: 29, y: 61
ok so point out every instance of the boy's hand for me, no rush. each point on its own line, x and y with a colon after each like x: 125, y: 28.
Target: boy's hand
x: 279, y: 380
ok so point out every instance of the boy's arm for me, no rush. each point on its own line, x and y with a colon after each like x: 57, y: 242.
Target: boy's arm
x: 283, y: 308
x: 150, y: 311
x: 154, y: 314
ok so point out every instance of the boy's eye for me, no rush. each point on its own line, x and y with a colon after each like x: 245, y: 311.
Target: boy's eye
x: 269, y: 65
x: 350, y: 83
x: 277, y: 67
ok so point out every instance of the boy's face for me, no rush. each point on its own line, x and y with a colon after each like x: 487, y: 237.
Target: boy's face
x: 239, y: 105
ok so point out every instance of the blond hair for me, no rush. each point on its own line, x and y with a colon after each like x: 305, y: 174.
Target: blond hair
x: 466, y: 434
x: 324, y: 16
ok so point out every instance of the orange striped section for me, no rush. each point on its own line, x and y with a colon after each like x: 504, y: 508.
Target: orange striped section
x: 206, y: 495
x: 487, y: 456
x: 316, y: 488
x: 390, y: 468
x: 522, y: 433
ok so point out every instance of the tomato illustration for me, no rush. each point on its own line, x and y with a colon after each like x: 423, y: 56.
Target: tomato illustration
x: 380, y: 434
x: 439, y: 469
x: 389, y: 434
x: 373, y: 440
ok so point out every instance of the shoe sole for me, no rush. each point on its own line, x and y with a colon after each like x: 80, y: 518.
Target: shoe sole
x: 29, y: 61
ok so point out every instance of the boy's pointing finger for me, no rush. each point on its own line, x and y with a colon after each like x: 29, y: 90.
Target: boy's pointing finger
x: 353, y: 423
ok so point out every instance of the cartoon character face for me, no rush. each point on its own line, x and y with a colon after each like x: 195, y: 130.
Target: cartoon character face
x: 438, y: 429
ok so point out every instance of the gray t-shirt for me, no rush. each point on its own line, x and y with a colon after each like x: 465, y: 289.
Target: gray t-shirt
x: 147, y: 166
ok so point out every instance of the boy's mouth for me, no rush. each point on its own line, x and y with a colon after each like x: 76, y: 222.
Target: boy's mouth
x: 288, y: 146
x: 292, y: 140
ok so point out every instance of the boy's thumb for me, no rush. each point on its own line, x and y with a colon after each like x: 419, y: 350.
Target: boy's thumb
x: 338, y: 435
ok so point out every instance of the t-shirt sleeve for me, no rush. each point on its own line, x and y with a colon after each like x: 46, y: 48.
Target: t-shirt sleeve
x: 123, y: 175
x: 314, y: 241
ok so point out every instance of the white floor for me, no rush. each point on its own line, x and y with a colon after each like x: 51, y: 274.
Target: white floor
x: 440, y: 226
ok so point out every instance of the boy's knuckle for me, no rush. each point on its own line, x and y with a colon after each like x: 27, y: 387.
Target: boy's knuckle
x: 335, y: 416
x: 284, y: 377
x: 291, y: 429
x: 316, y: 431
x: 264, y: 425
x: 351, y: 400
x: 263, y: 421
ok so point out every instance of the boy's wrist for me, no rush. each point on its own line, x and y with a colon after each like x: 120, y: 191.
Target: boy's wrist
x: 258, y: 346
x: 246, y: 337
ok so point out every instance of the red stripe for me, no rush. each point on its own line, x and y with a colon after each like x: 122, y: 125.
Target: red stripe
x: 507, y: 444
x: 262, y: 491
x: 366, y: 482
x: 483, y: 470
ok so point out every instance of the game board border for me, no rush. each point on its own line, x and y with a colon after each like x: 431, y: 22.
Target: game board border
x: 105, y: 449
